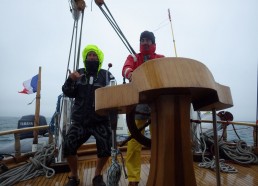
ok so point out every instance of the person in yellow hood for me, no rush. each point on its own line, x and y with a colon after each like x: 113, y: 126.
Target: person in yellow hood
x: 81, y: 86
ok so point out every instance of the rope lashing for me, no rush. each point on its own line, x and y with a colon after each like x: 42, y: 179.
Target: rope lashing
x: 114, y: 171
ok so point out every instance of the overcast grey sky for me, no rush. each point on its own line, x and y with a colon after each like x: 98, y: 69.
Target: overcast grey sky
x: 222, y: 34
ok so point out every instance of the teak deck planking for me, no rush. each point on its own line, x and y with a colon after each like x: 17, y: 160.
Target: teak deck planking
x: 247, y: 175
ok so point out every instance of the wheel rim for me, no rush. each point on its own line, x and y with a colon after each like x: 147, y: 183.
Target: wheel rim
x: 135, y: 132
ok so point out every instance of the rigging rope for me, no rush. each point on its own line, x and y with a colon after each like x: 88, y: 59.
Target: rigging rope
x: 38, y: 166
x: 70, y: 51
x: 115, y: 26
x: 76, y: 7
x: 79, y: 45
x: 117, y: 29
x: 208, y: 163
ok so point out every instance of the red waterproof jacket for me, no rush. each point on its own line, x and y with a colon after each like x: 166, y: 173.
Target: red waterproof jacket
x: 132, y: 62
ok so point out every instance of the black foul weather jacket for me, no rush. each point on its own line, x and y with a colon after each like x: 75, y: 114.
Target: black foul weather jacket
x: 84, y: 93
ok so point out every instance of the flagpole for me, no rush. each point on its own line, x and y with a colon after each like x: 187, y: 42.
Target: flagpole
x: 172, y: 32
x: 37, y: 111
x: 255, y: 132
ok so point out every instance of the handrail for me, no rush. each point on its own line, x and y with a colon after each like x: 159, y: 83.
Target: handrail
x: 225, y: 122
x: 17, y: 131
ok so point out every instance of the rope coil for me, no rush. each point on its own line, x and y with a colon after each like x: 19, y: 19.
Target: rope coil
x: 36, y: 167
x: 239, y: 153
x: 207, y: 163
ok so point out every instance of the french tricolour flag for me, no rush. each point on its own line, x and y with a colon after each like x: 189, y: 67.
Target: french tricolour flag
x: 30, y: 86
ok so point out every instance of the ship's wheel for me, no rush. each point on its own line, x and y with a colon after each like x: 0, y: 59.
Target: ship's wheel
x: 135, y: 132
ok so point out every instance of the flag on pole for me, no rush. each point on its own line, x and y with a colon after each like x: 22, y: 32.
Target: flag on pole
x: 30, y: 86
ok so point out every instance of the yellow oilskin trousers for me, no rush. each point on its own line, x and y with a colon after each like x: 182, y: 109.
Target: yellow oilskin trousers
x: 133, y: 156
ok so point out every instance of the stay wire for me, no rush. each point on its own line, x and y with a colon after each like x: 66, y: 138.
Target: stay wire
x: 66, y: 76
x: 70, y: 51
x: 116, y: 28
x: 80, y: 38
x: 115, y: 23
x: 76, y: 62
x: 75, y: 45
x: 118, y: 31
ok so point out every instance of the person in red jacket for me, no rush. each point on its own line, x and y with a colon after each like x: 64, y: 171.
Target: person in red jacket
x: 147, y: 52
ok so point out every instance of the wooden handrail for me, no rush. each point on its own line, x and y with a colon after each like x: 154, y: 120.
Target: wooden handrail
x: 17, y: 131
x: 225, y: 122
x: 17, y: 144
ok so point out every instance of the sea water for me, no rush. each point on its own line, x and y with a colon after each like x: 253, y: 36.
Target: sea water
x: 245, y: 133
x: 9, y: 123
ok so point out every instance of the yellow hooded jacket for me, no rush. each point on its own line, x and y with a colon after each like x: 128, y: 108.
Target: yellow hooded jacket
x: 93, y: 48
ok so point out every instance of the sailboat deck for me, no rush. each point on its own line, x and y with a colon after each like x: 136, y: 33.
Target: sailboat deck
x: 246, y: 175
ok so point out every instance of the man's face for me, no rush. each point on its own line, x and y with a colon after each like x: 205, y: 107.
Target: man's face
x: 146, y: 43
x: 92, y: 56
x: 92, y: 63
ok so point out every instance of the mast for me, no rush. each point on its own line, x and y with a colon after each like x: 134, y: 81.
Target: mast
x: 37, y: 111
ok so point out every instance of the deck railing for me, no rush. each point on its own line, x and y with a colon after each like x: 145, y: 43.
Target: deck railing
x: 225, y: 123
x: 17, y: 143
x: 16, y: 132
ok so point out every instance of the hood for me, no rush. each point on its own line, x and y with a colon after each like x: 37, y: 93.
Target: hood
x: 93, y: 48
